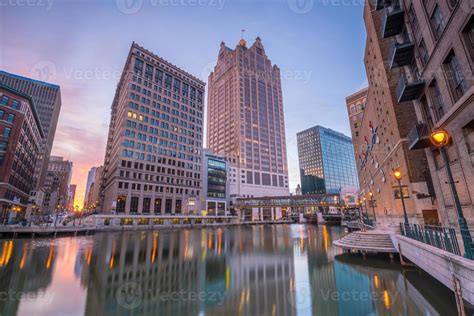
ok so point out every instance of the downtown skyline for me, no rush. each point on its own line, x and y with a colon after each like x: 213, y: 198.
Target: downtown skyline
x: 89, y: 69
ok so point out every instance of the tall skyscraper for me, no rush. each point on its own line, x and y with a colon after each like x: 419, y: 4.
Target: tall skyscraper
x: 56, y: 185
x: 326, y: 160
x: 47, y: 100
x: 153, y: 154
x: 90, y: 180
x: 245, y: 121
x: 20, y: 142
x: 92, y: 200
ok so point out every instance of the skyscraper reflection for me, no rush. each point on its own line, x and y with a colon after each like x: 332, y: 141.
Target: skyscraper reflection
x: 247, y: 270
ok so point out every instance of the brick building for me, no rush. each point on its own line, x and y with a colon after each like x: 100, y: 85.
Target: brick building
x: 21, y: 137
x: 380, y: 129
x: 47, y: 102
x: 432, y: 46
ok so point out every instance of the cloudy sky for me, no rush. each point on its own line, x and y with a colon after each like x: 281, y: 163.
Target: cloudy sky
x: 81, y: 45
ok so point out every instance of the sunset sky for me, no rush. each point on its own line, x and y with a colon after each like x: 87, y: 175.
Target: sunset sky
x: 81, y: 45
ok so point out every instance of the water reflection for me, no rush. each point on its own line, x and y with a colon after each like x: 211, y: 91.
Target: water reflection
x: 256, y: 270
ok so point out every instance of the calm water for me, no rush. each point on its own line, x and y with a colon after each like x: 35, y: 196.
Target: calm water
x: 255, y: 270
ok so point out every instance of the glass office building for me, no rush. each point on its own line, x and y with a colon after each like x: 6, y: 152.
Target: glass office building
x: 326, y: 160
x: 215, y: 189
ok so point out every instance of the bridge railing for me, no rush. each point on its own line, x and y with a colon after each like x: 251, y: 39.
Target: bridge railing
x: 467, y: 236
x: 440, y: 237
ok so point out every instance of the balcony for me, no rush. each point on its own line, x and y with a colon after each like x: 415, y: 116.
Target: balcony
x: 418, y: 137
x: 393, y: 22
x: 381, y: 4
x: 409, y: 91
x: 401, y: 54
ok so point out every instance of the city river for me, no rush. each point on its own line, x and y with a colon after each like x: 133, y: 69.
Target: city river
x: 243, y: 270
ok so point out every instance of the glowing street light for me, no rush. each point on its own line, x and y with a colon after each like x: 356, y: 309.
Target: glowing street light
x: 440, y: 138
x: 398, y: 176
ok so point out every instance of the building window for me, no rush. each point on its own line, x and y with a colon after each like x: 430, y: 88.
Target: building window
x: 453, y: 3
x: 426, y: 113
x: 168, y: 205
x: 157, y: 206
x: 437, y: 22
x: 146, y: 205
x: 178, y: 207
x: 468, y: 35
x: 423, y: 52
x: 436, y: 100
x: 455, y: 75
x: 7, y: 131
x: 15, y: 104
x: 4, y: 100
x: 468, y: 132
x: 134, y: 204
x: 121, y: 200
x: 413, y: 19
x: 11, y: 118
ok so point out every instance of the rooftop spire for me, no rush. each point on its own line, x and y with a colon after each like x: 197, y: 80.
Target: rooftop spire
x: 242, y: 42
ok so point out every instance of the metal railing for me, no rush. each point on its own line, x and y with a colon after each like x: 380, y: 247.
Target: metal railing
x: 467, y: 235
x: 367, y: 221
x: 436, y: 236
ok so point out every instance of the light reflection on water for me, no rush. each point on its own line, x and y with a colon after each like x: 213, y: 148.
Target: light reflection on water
x: 253, y: 270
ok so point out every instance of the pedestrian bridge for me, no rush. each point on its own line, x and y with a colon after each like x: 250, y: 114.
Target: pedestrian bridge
x: 314, y: 200
x: 277, y: 207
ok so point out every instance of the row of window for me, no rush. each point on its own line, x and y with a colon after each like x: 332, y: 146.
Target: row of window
x: 15, y: 104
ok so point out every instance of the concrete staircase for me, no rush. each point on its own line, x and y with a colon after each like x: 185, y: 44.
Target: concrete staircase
x: 369, y: 241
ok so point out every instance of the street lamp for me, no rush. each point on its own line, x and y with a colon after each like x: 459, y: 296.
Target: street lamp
x: 440, y: 139
x: 398, y: 176
x: 373, y: 205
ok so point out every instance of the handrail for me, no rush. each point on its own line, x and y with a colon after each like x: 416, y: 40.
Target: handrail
x: 437, y: 236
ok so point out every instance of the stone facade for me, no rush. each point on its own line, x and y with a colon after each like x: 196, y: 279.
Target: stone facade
x: 56, y: 185
x: 154, y: 147
x: 443, y: 36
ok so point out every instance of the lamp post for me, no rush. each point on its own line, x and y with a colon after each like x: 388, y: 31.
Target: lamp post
x: 398, y: 176
x: 440, y: 139
x: 373, y: 205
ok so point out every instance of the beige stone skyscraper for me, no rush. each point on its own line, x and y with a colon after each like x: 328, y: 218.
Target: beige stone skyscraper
x: 153, y: 155
x: 245, y: 120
